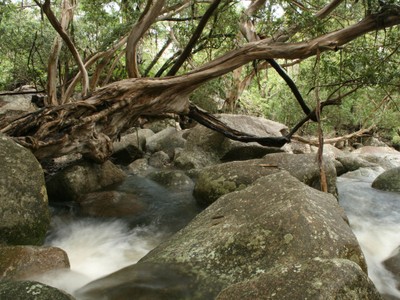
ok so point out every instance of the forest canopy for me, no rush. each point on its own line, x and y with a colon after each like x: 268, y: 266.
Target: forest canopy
x: 76, y: 50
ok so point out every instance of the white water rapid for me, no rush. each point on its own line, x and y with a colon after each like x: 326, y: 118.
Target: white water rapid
x: 96, y: 248
x: 375, y: 220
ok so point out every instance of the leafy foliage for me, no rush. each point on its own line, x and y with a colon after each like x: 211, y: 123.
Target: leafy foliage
x: 368, y: 65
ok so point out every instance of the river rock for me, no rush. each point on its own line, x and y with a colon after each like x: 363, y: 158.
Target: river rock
x: 175, y: 180
x: 277, y: 221
x: 131, y: 146
x: 392, y: 263
x: 21, y: 262
x: 206, y: 147
x: 166, y: 140
x: 214, y: 181
x: 352, y: 162
x: 110, y: 204
x: 82, y: 177
x: 312, y: 279
x: 159, y: 160
x: 146, y: 281
x: 388, y: 181
x: 137, y: 138
x: 30, y: 290
x: 24, y: 213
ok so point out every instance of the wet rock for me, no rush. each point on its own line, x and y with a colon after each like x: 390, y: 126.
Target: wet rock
x: 155, y: 281
x: 24, y: 214
x: 110, y: 204
x: 393, y: 265
x: 215, y: 181
x: 31, y: 290
x: 206, y: 147
x: 159, y: 159
x: 172, y: 179
x: 312, y: 279
x: 137, y: 139
x: 388, y: 181
x: 274, y: 222
x: 166, y: 140
x: 140, y: 167
x: 82, y: 177
x: 126, y: 155
x: 352, y: 162
x: 22, y: 262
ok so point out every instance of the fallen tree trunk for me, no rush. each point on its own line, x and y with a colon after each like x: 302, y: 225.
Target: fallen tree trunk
x: 90, y: 126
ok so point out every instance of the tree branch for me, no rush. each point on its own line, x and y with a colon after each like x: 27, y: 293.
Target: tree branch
x: 64, y: 35
x: 196, y: 35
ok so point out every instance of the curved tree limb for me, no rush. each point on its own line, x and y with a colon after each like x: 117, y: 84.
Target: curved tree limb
x: 151, y: 12
x: 90, y: 126
x: 66, y: 17
x: 64, y: 35
x: 196, y: 35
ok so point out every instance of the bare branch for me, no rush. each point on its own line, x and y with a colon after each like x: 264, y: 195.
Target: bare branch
x: 64, y: 35
x: 151, y: 12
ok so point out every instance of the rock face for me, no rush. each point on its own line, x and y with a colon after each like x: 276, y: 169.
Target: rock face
x: 278, y: 223
x: 30, y: 290
x: 21, y: 262
x: 218, y: 180
x: 205, y: 147
x: 312, y: 279
x: 388, y: 181
x: 83, y: 177
x: 24, y: 214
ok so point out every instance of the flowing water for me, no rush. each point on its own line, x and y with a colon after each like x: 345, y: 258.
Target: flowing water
x: 374, y: 216
x: 97, y: 247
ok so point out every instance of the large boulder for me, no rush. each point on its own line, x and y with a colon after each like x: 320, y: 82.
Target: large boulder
x: 218, y: 180
x: 81, y: 178
x: 30, y: 290
x: 206, y: 147
x: 22, y: 262
x: 313, y: 279
x: 24, y: 213
x: 388, y: 181
x: 278, y: 222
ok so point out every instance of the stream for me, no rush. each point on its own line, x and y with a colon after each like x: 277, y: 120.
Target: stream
x: 374, y: 217
x: 97, y: 247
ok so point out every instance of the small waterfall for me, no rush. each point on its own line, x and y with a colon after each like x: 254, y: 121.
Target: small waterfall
x: 374, y: 216
x: 97, y: 248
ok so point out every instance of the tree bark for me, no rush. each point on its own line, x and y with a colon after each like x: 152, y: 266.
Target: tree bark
x: 90, y: 126
x: 64, y: 35
x: 152, y: 11
x: 66, y: 17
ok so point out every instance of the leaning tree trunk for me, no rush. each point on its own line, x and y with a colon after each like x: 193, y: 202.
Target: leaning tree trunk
x: 90, y: 126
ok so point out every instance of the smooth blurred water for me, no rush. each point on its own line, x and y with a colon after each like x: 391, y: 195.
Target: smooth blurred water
x: 99, y: 246
x: 374, y: 216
